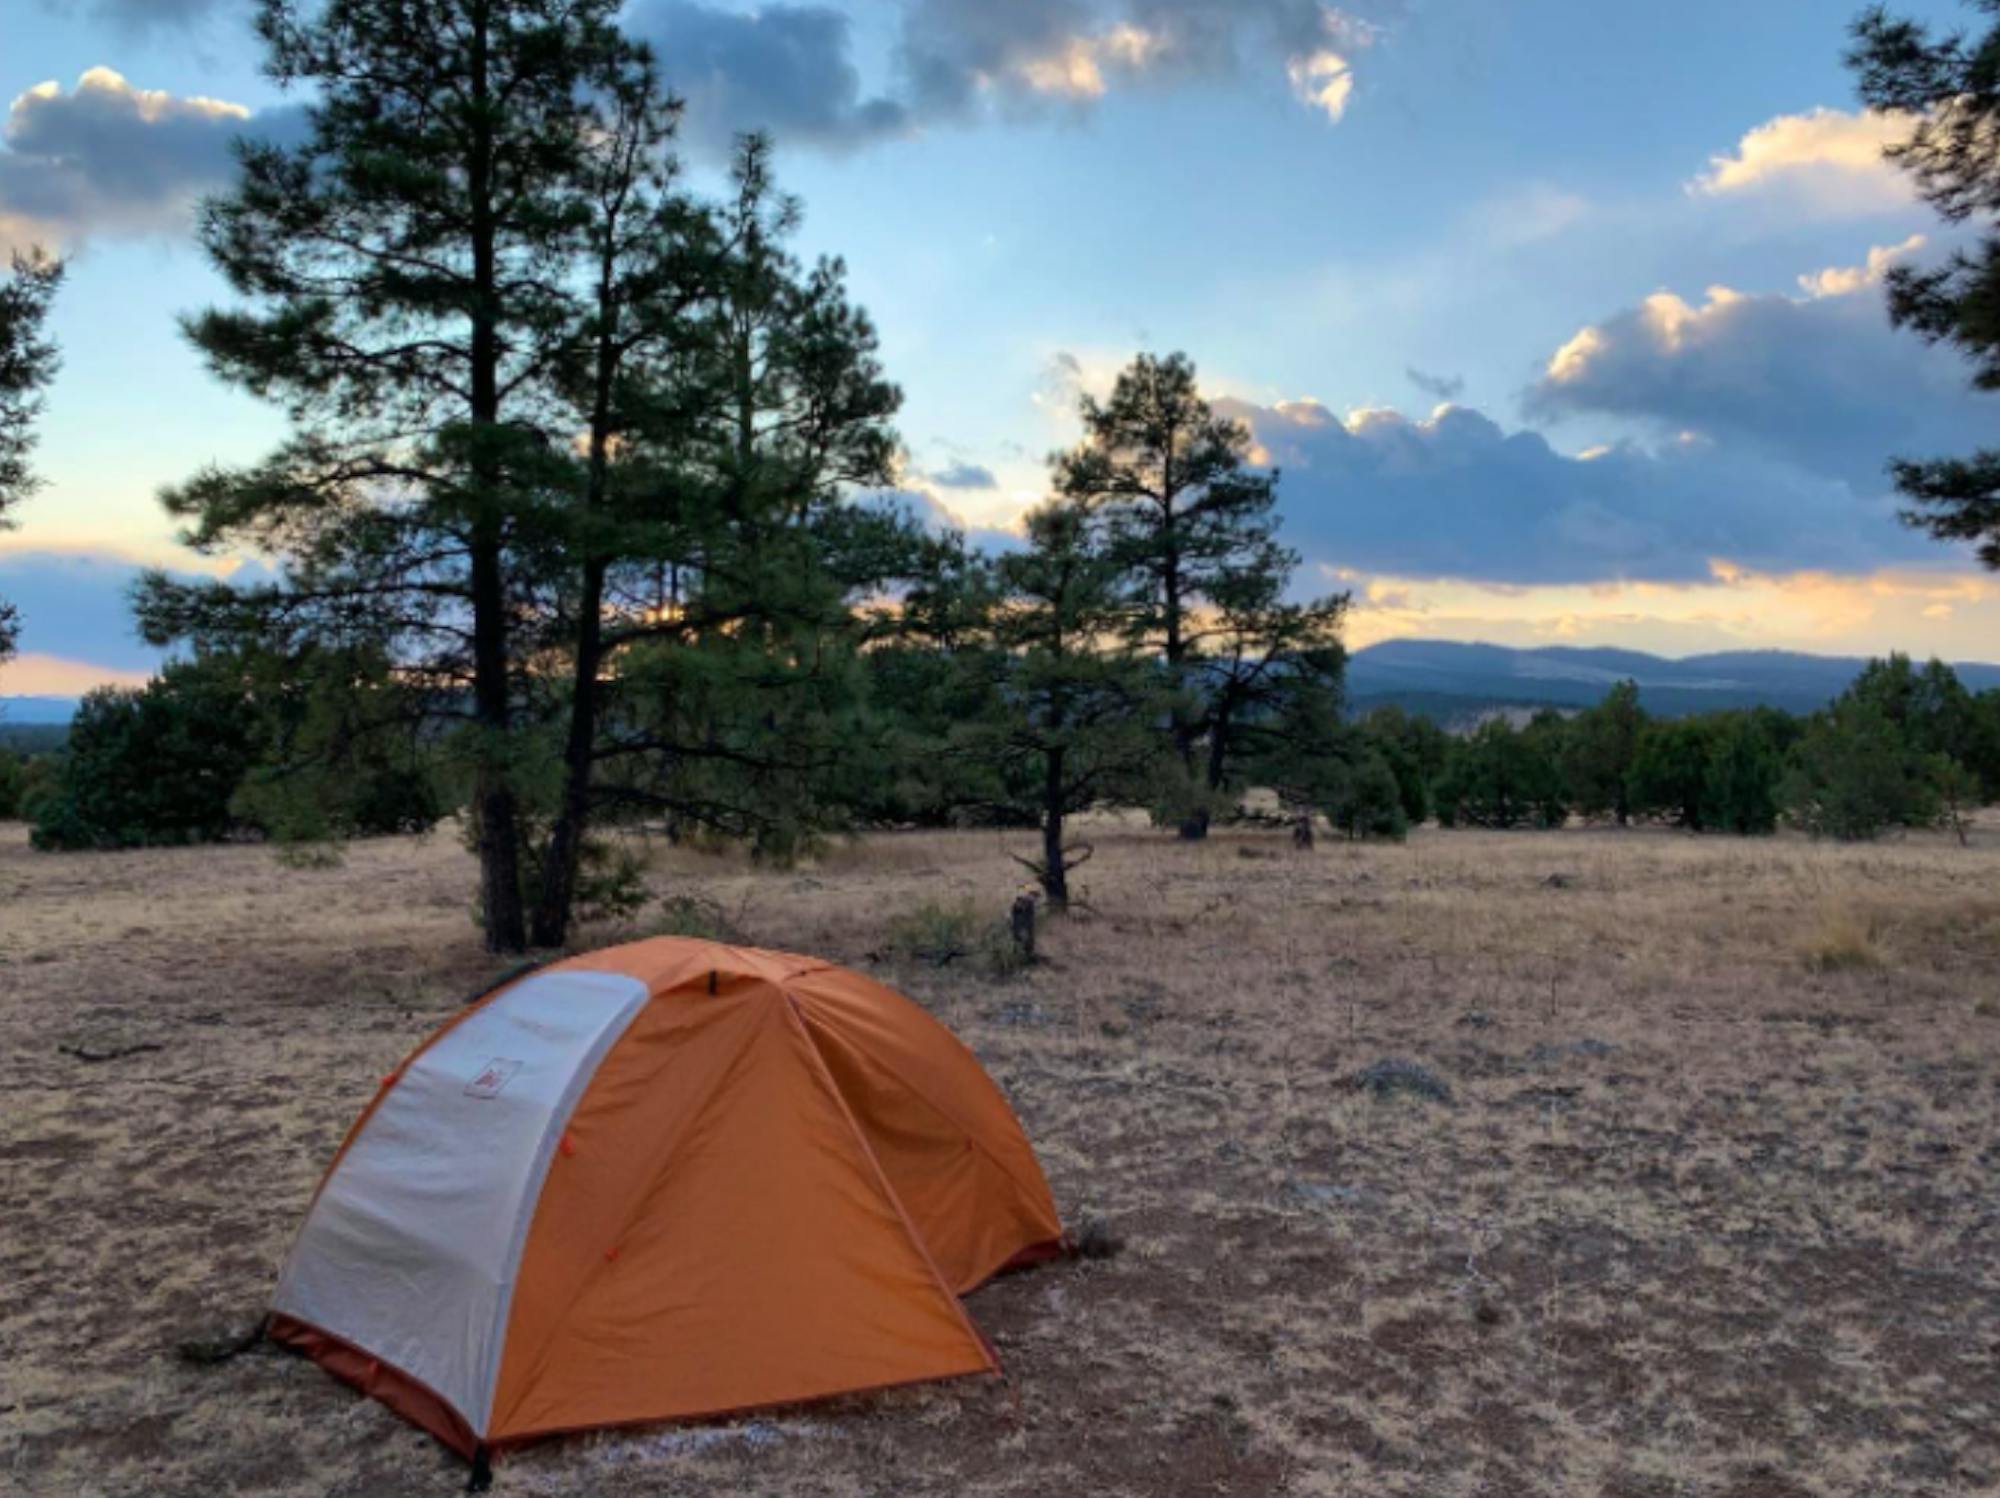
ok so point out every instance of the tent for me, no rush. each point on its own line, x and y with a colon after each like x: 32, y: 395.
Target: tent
x: 664, y: 1181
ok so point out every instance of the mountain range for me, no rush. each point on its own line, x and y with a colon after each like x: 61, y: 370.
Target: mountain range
x: 1453, y: 681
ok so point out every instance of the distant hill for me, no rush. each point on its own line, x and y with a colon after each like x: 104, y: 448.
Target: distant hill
x: 1452, y: 681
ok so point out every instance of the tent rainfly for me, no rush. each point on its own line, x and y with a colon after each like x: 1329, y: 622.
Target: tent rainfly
x: 665, y: 1181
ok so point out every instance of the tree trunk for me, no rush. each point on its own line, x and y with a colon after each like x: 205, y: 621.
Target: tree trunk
x: 564, y: 854
x: 498, y: 809
x: 1055, y: 874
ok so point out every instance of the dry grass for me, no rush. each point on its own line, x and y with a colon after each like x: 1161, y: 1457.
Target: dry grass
x: 1842, y: 939
x: 1702, y: 1217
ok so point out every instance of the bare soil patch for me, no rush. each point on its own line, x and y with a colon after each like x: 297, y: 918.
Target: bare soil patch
x: 1695, y: 1210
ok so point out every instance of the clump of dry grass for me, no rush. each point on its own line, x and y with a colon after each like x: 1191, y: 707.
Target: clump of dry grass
x: 1841, y: 939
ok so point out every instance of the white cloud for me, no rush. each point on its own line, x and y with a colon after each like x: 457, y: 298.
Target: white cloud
x: 1827, y: 158
x: 107, y: 157
x: 1845, y: 280
x: 1321, y: 80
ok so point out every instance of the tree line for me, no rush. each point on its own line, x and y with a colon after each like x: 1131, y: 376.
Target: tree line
x: 1902, y: 747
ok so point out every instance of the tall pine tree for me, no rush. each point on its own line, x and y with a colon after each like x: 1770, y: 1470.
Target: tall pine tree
x: 408, y: 296
x: 1194, y: 527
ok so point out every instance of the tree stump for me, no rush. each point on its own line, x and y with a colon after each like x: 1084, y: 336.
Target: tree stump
x: 1021, y: 923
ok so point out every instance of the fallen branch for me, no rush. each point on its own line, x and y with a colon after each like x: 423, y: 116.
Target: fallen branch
x: 110, y: 1053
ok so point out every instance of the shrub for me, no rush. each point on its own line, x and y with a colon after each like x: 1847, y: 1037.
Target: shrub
x: 1368, y: 800
x: 942, y: 934
x: 1500, y: 777
x: 1854, y: 775
x: 155, y: 766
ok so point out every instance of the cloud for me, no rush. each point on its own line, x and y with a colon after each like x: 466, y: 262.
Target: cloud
x: 1826, y: 159
x: 1820, y: 381
x: 935, y: 516
x: 964, y: 476
x: 108, y: 158
x: 1457, y: 496
x: 784, y: 69
x: 791, y: 69
x: 74, y: 608
x: 1438, y: 387
x: 960, y: 55
x: 1952, y: 614
x: 1843, y: 280
x: 145, y: 15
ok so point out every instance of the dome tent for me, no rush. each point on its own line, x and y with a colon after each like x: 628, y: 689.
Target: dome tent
x: 663, y: 1181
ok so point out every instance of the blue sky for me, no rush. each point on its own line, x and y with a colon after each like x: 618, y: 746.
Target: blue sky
x: 1562, y: 319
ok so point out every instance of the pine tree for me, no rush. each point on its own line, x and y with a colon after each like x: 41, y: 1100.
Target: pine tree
x: 27, y: 364
x: 1950, y: 85
x: 409, y: 298
x: 1599, y: 750
x: 1076, y: 706
x: 1195, y: 528
x: 717, y: 673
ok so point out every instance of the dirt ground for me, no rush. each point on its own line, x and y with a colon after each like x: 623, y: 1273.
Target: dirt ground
x: 1709, y: 1209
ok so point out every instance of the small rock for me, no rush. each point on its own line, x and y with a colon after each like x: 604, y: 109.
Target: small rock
x: 1096, y: 1241
x: 1559, y: 881
x: 1476, y: 1019
x: 1393, y: 1075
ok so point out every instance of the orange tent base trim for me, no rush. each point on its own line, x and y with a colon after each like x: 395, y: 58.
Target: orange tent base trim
x: 422, y: 1408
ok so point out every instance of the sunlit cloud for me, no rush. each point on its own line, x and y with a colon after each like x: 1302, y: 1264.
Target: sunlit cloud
x: 1826, y: 157
x: 1845, y: 280
x: 1321, y: 80
x: 1950, y: 613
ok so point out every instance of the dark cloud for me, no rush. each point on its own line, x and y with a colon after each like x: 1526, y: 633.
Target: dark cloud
x: 106, y: 157
x: 790, y: 69
x: 958, y: 53
x: 785, y: 69
x: 1456, y: 496
x: 1822, y: 381
x: 964, y: 476
x: 1438, y: 387
x: 75, y: 605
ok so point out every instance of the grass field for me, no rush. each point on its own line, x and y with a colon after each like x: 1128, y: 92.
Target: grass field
x: 1710, y: 1209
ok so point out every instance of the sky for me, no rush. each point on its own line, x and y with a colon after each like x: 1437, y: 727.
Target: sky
x: 1562, y: 321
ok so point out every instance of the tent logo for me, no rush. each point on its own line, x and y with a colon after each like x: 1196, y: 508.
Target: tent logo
x: 493, y: 1074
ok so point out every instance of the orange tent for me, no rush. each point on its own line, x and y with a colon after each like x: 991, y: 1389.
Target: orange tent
x: 667, y: 1180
